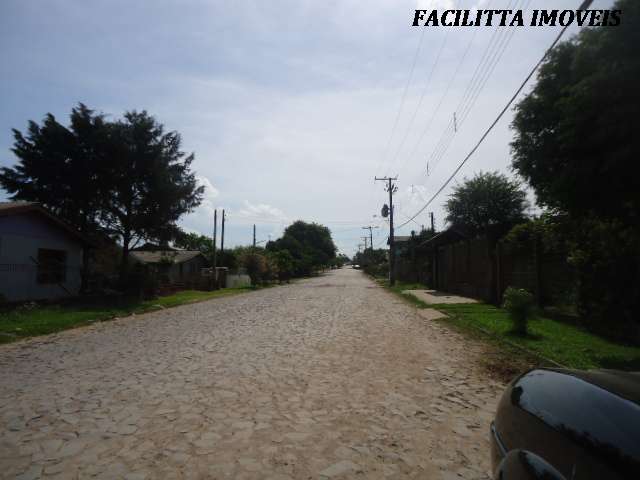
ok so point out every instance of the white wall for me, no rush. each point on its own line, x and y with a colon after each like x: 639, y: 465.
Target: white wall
x: 20, y: 238
x: 238, y: 280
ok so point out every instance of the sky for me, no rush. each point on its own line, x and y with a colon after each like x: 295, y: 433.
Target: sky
x: 291, y: 107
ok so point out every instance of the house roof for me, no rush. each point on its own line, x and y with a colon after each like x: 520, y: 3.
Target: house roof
x: 449, y: 235
x: 158, y: 256
x: 400, y: 238
x: 18, y: 208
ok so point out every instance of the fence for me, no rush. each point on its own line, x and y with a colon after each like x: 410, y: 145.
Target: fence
x: 481, y: 268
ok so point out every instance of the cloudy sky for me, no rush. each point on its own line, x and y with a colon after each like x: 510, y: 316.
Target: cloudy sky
x: 291, y: 106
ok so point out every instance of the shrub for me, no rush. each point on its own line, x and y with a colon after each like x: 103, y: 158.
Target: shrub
x: 255, y: 264
x: 519, y: 303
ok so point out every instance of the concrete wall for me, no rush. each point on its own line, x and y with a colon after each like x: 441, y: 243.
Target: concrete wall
x: 20, y: 238
x: 237, y: 280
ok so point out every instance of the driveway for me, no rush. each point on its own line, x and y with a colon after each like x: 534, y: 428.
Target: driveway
x: 331, y: 377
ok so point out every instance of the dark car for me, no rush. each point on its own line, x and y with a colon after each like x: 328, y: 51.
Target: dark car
x: 556, y: 424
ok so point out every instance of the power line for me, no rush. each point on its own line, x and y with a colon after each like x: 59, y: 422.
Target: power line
x: 494, y: 59
x: 493, y: 46
x: 442, y: 97
x: 402, y: 100
x: 585, y: 4
x: 422, y: 95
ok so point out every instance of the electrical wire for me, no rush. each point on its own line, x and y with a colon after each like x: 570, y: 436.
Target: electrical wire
x: 585, y: 4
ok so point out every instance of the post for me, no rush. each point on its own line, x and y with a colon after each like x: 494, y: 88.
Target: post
x: 391, y: 188
x: 222, y: 240
x: 254, y: 235
x: 215, y: 234
x: 433, y: 227
x: 370, y: 228
x: 392, y: 240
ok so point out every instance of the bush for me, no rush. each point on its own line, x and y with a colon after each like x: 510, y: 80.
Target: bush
x: 519, y: 303
x: 256, y: 266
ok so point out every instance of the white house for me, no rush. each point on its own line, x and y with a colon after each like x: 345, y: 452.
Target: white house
x: 40, y: 255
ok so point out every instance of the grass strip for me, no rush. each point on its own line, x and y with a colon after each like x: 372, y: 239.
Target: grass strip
x: 25, y: 322
x: 552, y: 341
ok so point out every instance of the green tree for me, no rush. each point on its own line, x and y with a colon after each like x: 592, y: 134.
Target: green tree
x: 194, y: 241
x: 576, y: 143
x: 150, y: 183
x: 576, y: 134
x: 255, y: 264
x: 284, y: 263
x: 126, y: 178
x: 341, y: 260
x: 310, y: 245
x: 486, y: 199
x: 62, y: 168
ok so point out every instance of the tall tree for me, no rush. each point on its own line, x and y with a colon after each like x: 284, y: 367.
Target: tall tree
x: 61, y: 167
x: 128, y: 178
x: 151, y: 184
x: 486, y: 199
x: 310, y: 245
x: 194, y: 241
x: 576, y: 143
x: 576, y: 134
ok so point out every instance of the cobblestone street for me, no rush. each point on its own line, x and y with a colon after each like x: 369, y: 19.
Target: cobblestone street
x: 330, y: 377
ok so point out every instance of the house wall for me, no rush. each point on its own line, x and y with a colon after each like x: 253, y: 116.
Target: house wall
x: 188, y: 272
x: 20, y: 238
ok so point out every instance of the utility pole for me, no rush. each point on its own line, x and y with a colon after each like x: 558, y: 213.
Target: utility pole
x: 365, y: 238
x: 215, y: 234
x: 222, y: 240
x: 370, y: 228
x: 254, y: 235
x: 433, y: 223
x: 391, y: 188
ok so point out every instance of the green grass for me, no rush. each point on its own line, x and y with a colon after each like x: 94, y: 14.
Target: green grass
x: 566, y: 344
x: 548, y: 339
x: 42, y: 320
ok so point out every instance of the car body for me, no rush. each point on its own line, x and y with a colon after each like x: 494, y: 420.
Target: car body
x: 557, y: 424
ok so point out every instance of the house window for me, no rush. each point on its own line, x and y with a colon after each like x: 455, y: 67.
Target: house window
x: 52, y: 266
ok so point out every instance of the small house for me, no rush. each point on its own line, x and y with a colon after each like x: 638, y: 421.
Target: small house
x: 40, y: 254
x: 173, y: 267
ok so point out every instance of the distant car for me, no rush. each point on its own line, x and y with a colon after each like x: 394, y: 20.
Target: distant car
x: 356, y: 266
x: 556, y: 424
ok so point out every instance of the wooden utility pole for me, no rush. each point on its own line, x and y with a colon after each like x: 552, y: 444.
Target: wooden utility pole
x: 222, y: 240
x: 391, y: 188
x: 370, y: 228
x: 433, y: 223
x: 254, y: 235
x: 215, y: 234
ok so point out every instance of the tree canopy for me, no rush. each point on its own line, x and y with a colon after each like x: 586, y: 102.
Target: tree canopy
x: 576, y: 137
x: 486, y: 199
x: 576, y: 143
x: 310, y: 245
x: 60, y: 166
x: 127, y: 178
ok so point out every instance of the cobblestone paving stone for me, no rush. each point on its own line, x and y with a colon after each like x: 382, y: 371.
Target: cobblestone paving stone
x: 331, y: 377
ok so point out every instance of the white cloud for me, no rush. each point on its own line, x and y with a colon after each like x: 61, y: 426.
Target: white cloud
x: 259, y: 212
x: 211, y: 193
